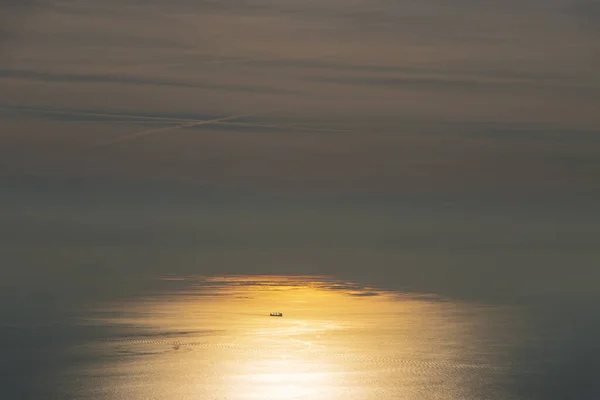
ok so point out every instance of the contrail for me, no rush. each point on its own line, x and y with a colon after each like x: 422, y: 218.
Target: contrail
x: 136, y: 135
x: 97, y: 114
x: 139, y: 119
x: 225, y: 123
x: 304, y: 128
x: 134, y: 122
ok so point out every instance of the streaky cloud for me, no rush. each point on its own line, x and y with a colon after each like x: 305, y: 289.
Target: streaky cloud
x: 127, y: 80
x: 147, y: 132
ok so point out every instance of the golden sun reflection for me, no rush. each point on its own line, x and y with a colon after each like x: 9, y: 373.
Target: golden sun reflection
x: 212, y: 337
x: 286, y: 378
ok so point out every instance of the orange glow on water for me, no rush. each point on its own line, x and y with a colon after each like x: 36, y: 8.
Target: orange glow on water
x: 215, y: 339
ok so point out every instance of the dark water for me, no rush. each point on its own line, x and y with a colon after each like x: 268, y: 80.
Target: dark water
x: 212, y: 338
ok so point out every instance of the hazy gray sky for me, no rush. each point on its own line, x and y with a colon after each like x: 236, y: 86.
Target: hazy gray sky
x: 456, y: 144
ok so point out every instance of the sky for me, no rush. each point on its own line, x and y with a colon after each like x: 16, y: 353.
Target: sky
x: 423, y: 145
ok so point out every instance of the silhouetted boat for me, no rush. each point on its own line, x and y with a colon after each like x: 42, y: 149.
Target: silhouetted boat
x: 276, y: 314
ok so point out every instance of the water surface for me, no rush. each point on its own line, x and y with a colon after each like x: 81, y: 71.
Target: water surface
x: 213, y: 338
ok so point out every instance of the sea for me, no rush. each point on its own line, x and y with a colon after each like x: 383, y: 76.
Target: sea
x: 211, y: 337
